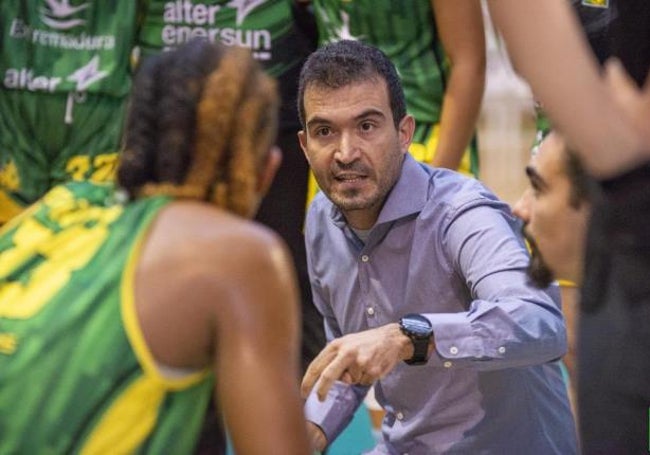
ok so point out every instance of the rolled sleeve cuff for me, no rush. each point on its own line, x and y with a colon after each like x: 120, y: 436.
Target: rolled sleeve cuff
x: 336, y: 412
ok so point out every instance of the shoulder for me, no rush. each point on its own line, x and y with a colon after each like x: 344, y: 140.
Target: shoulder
x: 203, y: 222
x: 453, y: 194
x: 206, y: 272
x: 457, y: 189
x: 196, y: 244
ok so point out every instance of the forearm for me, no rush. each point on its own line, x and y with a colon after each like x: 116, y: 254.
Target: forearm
x: 508, y: 333
x: 262, y: 396
x: 461, y: 31
x: 508, y: 322
x: 460, y: 111
x: 334, y: 414
x: 317, y: 437
x: 564, y: 75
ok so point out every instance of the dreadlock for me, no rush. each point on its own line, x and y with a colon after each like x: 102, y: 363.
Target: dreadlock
x: 201, y: 121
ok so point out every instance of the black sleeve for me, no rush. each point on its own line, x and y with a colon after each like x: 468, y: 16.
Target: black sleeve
x: 618, y: 243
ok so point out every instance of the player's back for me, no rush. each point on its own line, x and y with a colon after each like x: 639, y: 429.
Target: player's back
x: 76, y: 373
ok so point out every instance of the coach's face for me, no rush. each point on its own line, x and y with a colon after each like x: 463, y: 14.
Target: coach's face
x: 353, y: 146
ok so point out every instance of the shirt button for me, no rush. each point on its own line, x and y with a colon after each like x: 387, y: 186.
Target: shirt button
x: 447, y: 364
x: 453, y: 350
x: 502, y: 350
x: 365, y: 258
x: 399, y: 416
x: 370, y: 311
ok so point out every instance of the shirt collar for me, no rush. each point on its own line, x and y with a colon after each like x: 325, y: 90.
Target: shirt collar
x: 409, y: 194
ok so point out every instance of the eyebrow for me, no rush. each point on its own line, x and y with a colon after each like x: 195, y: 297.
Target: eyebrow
x: 535, y: 178
x: 368, y: 113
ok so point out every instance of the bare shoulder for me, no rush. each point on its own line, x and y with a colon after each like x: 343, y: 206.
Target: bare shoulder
x: 189, y: 233
x: 203, y: 271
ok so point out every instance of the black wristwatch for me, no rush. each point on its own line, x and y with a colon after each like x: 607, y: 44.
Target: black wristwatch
x: 419, y: 330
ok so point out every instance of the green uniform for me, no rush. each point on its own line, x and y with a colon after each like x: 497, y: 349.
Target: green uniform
x: 406, y: 32
x: 65, y: 68
x: 267, y: 27
x: 75, y: 373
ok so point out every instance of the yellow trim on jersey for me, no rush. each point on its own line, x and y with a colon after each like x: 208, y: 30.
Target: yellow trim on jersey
x: 133, y: 415
x: 10, y: 218
x: 425, y: 153
x: 596, y: 3
x: 567, y: 284
x: 129, y: 420
x: 133, y: 329
x: 8, y: 208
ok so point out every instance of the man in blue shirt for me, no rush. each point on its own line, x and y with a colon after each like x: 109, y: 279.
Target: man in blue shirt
x: 416, y: 264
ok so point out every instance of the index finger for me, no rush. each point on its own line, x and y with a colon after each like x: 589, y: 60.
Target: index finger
x: 314, y: 371
x: 333, y: 372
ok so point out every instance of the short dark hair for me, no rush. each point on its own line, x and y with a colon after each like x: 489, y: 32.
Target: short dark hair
x: 342, y: 63
x: 582, y: 184
x: 201, y: 121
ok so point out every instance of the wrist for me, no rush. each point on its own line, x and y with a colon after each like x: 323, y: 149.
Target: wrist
x: 419, y: 331
x: 404, y: 342
x: 317, y: 436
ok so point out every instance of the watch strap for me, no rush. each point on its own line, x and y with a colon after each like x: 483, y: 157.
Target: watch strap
x: 420, y: 351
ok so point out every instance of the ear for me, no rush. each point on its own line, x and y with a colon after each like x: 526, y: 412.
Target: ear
x: 302, y: 138
x: 273, y: 161
x: 405, y: 131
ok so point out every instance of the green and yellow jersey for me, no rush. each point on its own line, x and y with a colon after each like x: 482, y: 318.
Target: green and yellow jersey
x: 269, y: 28
x: 75, y: 373
x: 66, y: 75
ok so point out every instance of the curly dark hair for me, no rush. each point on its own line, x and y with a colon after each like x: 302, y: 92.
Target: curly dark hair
x: 201, y: 121
x: 345, y: 62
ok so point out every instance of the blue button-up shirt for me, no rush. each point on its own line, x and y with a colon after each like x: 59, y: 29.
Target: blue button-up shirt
x: 446, y: 247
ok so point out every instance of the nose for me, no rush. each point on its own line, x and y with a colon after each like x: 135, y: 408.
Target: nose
x: 521, y: 209
x: 347, y: 150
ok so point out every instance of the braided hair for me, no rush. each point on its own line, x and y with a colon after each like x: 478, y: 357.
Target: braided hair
x: 201, y: 121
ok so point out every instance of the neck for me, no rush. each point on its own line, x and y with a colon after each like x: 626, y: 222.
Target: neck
x: 361, y: 219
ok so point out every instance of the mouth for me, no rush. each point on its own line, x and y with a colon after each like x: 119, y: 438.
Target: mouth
x: 349, y: 178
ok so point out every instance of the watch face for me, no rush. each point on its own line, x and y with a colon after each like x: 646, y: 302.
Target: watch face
x: 417, y: 325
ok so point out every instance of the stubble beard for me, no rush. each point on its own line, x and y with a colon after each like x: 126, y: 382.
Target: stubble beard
x: 538, y: 271
x: 354, y: 200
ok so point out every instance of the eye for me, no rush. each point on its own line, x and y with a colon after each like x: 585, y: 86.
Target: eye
x: 322, y: 131
x: 366, y: 126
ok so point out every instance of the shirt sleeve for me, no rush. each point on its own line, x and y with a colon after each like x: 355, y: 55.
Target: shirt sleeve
x: 618, y: 244
x: 337, y: 410
x: 509, y: 323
